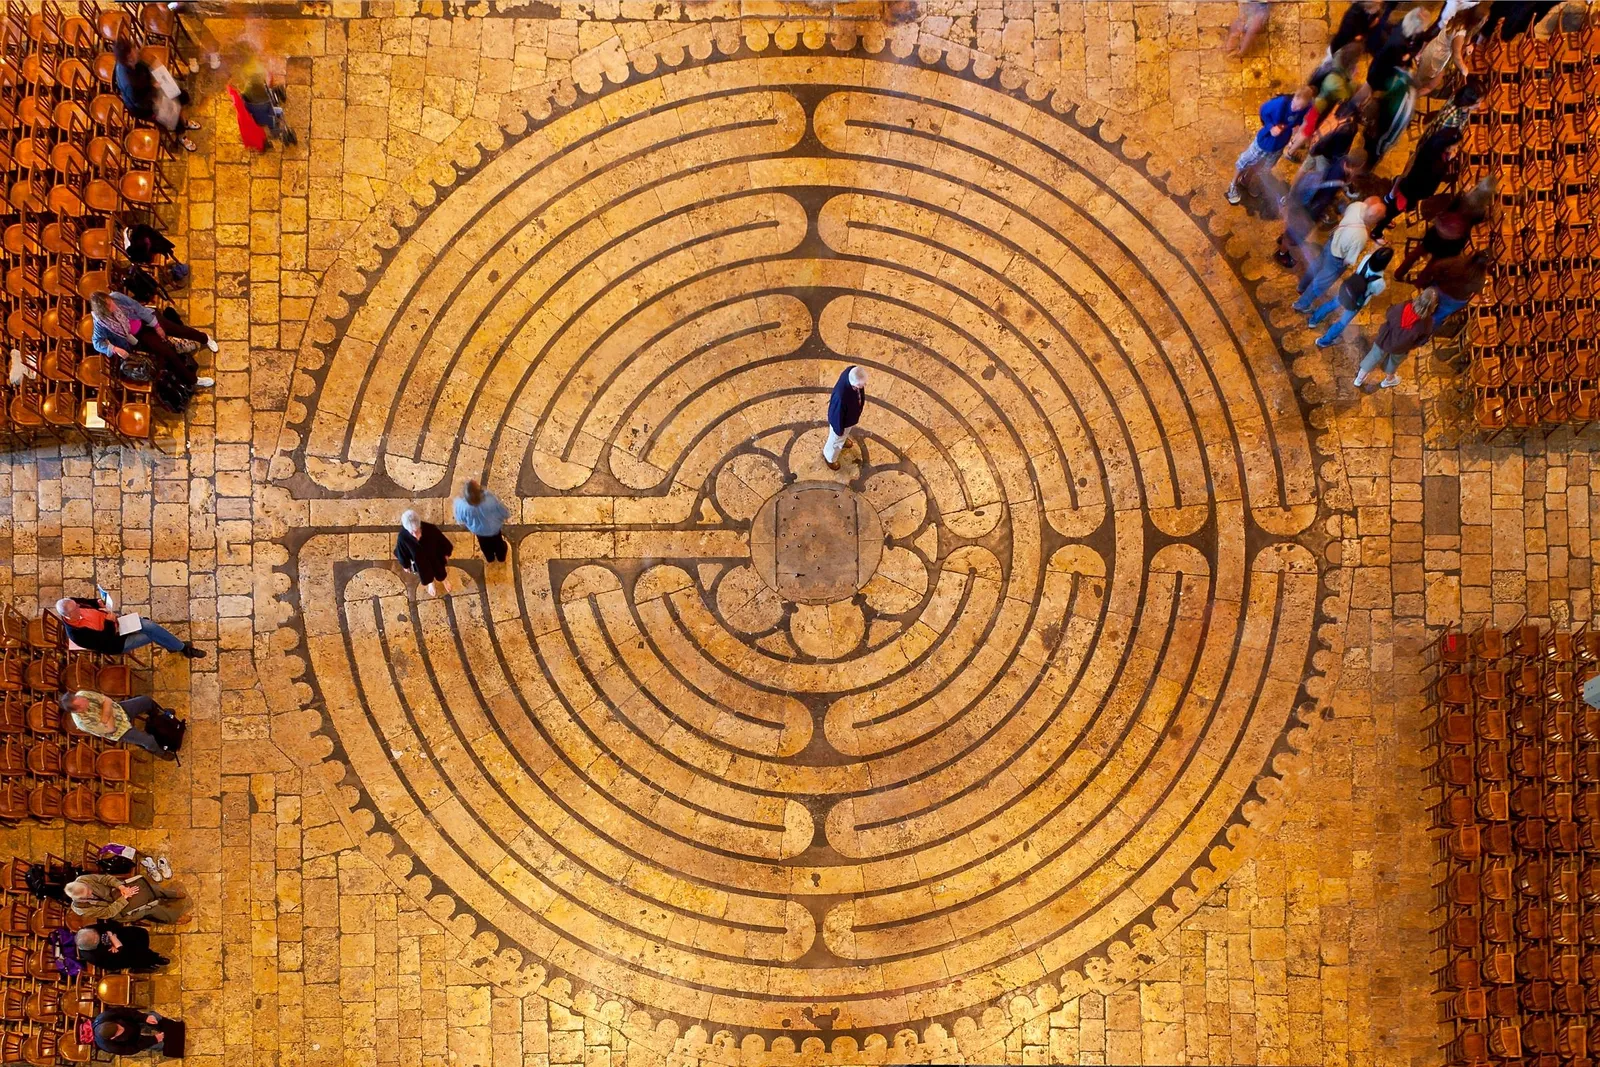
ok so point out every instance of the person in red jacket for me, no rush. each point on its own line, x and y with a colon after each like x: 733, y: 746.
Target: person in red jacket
x: 1408, y: 326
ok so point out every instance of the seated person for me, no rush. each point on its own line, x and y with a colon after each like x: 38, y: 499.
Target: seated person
x: 143, y: 98
x: 99, y: 716
x: 113, y: 946
x: 130, y: 1031
x: 93, y: 626
x: 122, y: 325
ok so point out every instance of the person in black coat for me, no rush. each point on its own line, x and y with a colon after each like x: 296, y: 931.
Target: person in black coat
x: 129, y: 1031
x: 844, y: 411
x: 114, y: 946
x: 425, y: 551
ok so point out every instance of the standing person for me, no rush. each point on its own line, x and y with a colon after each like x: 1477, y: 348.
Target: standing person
x: 1363, y: 22
x: 1514, y: 17
x: 1458, y: 112
x: 114, y: 946
x: 481, y: 512
x: 1279, y: 117
x: 1355, y: 293
x: 93, y: 626
x: 1458, y: 280
x: 107, y: 896
x: 1432, y: 165
x: 1448, y: 48
x: 1343, y: 250
x: 1322, y: 179
x: 1394, y: 101
x: 424, y: 550
x: 1334, y: 84
x: 1407, y: 326
x: 99, y: 716
x: 1251, y: 21
x: 1450, y: 222
x: 844, y: 411
x: 143, y: 98
x: 130, y: 1031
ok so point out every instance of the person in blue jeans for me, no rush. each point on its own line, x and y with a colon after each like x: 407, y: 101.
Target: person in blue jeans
x: 1342, y: 251
x: 100, y: 716
x: 1356, y: 292
x: 1458, y: 280
x: 1279, y: 118
x: 93, y: 626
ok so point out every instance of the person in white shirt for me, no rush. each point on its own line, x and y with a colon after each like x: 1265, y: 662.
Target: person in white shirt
x: 1342, y: 251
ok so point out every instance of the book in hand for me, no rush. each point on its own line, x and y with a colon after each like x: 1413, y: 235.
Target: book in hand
x: 129, y: 624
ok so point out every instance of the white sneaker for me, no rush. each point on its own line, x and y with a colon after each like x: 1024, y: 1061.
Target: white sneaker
x: 151, y: 869
x: 204, y: 383
x: 1390, y: 382
x: 1360, y: 378
x: 1233, y: 194
x: 166, y: 868
x: 211, y: 343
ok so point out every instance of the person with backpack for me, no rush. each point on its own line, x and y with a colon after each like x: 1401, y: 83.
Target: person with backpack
x: 1279, y: 117
x: 1354, y: 294
x: 1342, y: 252
x: 1407, y: 327
x: 99, y: 716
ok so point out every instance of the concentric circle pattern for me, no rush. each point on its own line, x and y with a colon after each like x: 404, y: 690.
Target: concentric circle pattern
x: 633, y: 759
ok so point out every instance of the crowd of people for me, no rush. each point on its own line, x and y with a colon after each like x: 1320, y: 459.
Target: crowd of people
x: 1337, y: 127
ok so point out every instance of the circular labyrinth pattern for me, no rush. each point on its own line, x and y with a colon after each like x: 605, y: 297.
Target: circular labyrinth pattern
x: 959, y: 774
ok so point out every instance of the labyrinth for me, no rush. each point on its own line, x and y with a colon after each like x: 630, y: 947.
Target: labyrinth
x: 750, y: 742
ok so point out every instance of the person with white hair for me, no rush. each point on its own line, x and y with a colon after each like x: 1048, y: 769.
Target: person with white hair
x: 844, y: 412
x: 109, y: 896
x: 92, y: 626
x: 113, y: 946
x: 423, y: 549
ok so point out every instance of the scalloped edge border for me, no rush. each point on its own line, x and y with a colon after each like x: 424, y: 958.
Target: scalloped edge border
x: 1121, y: 960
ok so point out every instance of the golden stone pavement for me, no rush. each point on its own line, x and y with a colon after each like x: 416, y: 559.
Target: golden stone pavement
x: 1111, y: 755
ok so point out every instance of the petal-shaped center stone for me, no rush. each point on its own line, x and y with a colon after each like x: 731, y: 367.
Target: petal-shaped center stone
x: 816, y: 542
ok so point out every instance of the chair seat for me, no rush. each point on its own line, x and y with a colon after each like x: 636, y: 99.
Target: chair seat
x: 92, y: 373
x: 143, y: 143
x: 81, y: 761
x: 133, y: 420
x: 115, y: 765
x: 102, y: 196
x: 114, y: 809
x: 60, y: 408
x: 79, y: 805
x: 95, y: 243
x: 59, y: 238
x: 105, y: 67
x: 139, y: 186
x: 115, y: 680
x: 63, y: 200
x: 21, y: 324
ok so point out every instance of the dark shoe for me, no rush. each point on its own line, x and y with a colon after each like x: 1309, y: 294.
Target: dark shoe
x: 1284, y: 259
x: 190, y: 652
x: 832, y: 466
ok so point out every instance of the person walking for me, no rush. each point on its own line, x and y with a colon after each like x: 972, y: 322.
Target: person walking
x: 99, y: 716
x: 1343, y: 250
x: 1432, y: 165
x: 423, y: 549
x: 1407, y: 326
x: 844, y: 411
x: 1450, y: 217
x: 1279, y: 117
x: 94, y: 627
x: 1355, y: 293
x: 108, y: 896
x: 1458, y: 280
x: 114, y: 946
x: 481, y: 512
x: 1334, y: 84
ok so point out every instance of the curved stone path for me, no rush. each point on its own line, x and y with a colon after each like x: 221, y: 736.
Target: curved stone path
x: 1051, y: 678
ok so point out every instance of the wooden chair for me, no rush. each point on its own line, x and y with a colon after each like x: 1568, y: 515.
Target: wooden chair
x: 115, y: 809
x: 81, y: 762
x: 44, y: 801
x: 122, y: 990
x: 79, y: 805
x: 115, y: 765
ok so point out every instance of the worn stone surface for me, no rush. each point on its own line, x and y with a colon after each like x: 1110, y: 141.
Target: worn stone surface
x: 544, y: 820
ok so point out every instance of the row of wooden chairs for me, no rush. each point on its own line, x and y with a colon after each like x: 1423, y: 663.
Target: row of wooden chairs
x: 1518, y: 819
x: 74, y: 167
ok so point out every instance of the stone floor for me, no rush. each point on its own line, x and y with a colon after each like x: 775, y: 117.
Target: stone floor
x: 1104, y: 746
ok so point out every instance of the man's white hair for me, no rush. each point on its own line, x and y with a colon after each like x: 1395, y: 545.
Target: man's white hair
x: 77, y: 890
x: 64, y: 605
x: 411, y: 521
x: 858, y: 377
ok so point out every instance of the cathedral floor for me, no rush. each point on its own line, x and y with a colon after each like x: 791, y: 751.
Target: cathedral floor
x: 1077, y: 718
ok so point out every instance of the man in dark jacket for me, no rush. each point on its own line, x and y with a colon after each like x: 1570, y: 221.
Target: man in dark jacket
x: 1279, y: 117
x: 844, y: 411
x: 114, y: 946
x: 1408, y: 326
x: 93, y: 626
x: 129, y: 1031
x: 1458, y: 280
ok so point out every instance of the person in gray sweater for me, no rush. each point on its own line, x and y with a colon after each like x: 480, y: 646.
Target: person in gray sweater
x: 481, y: 512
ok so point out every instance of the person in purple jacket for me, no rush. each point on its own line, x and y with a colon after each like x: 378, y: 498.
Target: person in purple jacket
x: 1279, y: 118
